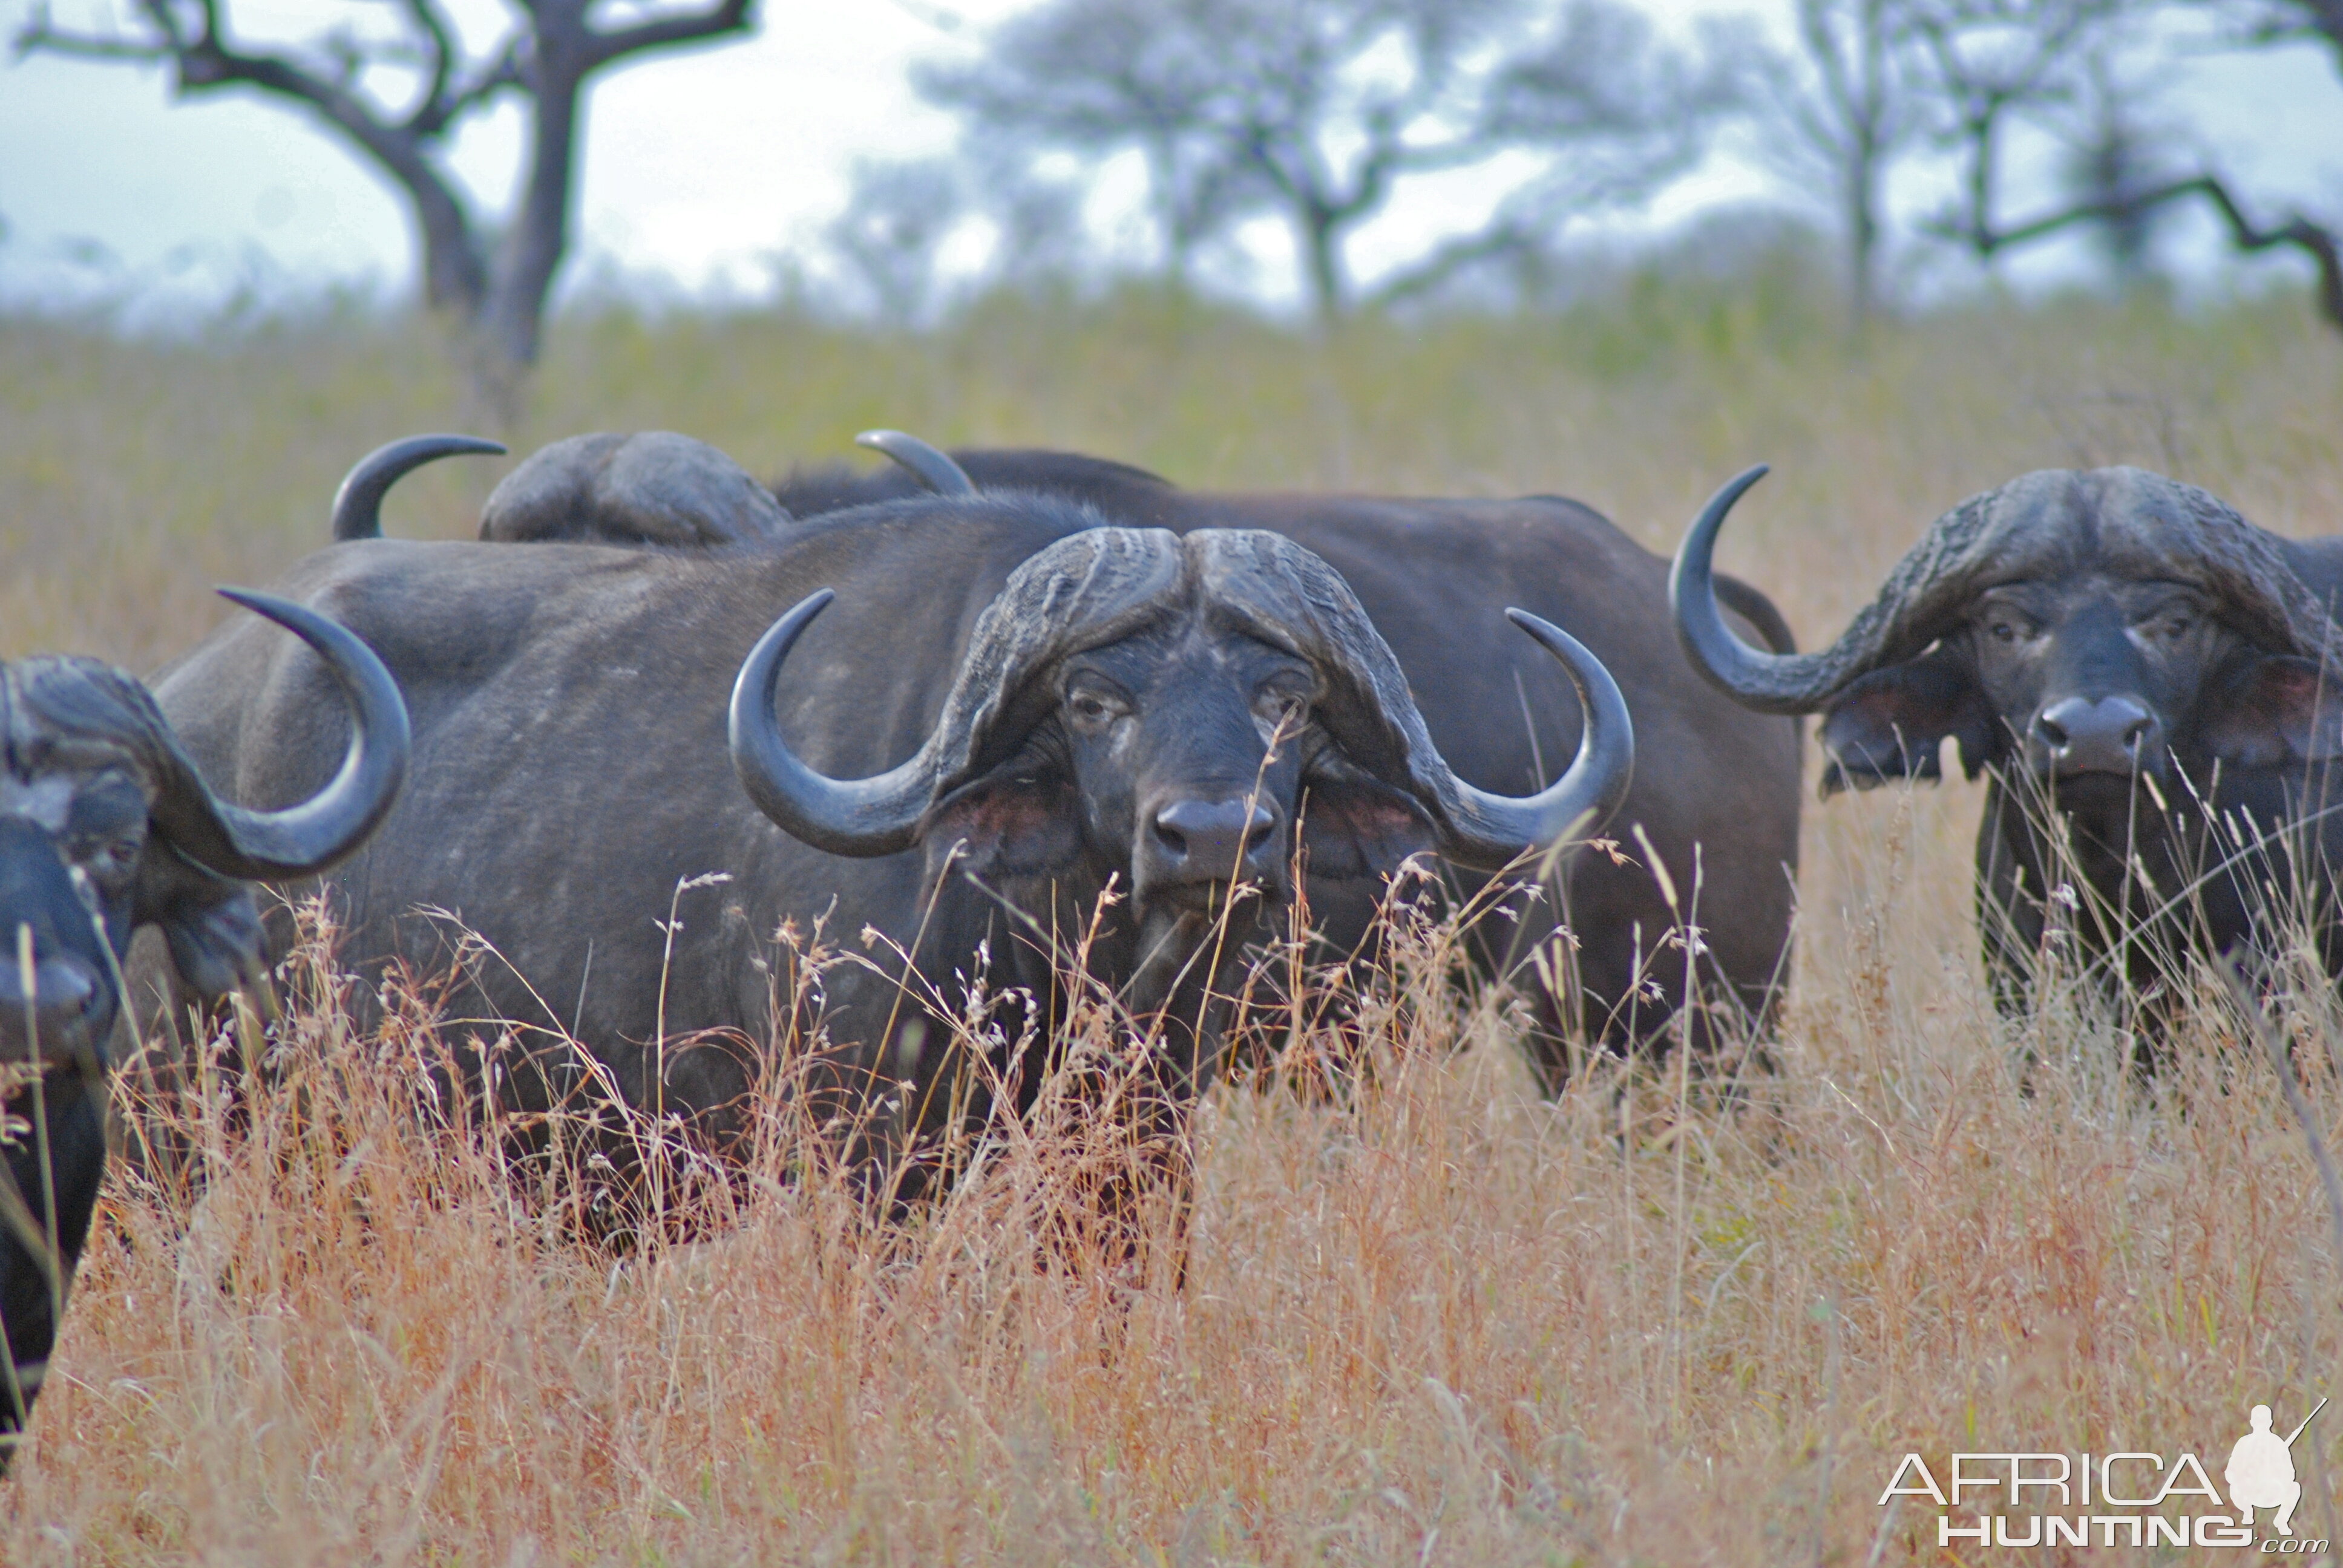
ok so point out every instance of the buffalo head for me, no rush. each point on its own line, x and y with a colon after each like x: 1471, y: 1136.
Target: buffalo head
x: 105, y: 826
x: 2120, y: 648
x: 1179, y: 718
x: 2088, y: 627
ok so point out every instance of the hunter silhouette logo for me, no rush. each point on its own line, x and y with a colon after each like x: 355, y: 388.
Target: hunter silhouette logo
x: 2261, y: 1470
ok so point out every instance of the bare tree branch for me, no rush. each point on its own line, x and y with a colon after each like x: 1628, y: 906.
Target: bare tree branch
x: 454, y: 275
x: 40, y: 36
x: 724, y: 17
x: 2267, y: 22
x: 1455, y: 257
x: 2314, y: 240
x: 441, y: 55
x: 1997, y: 59
x: 2032, y: 75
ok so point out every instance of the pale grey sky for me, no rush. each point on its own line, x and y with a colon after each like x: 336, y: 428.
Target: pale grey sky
x: 705, y: 168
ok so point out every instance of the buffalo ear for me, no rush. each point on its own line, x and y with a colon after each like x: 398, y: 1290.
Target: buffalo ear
x: 2278, y: 709
x: 1354, y: 830
x: 1892, y: 722
x: 211, y: 923
x: 1006, y: 825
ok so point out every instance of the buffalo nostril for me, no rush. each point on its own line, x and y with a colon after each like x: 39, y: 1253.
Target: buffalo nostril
x: 1213, y: 837
x: 1258, y: 829
x: 2103, y: 735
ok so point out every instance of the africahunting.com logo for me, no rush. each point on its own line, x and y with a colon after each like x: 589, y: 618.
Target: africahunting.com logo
x: 2017, y: 1499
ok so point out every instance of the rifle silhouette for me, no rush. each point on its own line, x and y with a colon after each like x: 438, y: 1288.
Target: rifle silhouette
x: 2305, y: 1422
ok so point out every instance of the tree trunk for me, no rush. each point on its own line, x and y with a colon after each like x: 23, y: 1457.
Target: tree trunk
x: 455, y: 277
x: 533, y: 249
x: 1321, y: 263
x: 1863, y: 232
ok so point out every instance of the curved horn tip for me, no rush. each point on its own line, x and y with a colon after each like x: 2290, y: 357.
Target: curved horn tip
x: 1499, y: 830
x: 277, y: 607
x: 250, y: 598
x: 301, y: 841
x: 1608, y: 740
x: 1738, y: 486
x: 858, y: 817
x: 795, y: 617
x: 1751, y: 678
x: 930, y: 465
x: 357, y: 504
x: 752, y: 688
x: 269, y: 607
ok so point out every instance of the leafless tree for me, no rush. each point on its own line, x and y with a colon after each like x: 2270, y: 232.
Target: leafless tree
x: 493, y: 277
x: 2046, y: 66
x: 1994, y: 64
x: 1852, y: 104
x: 1099, y: 77
x: 1315, y: 110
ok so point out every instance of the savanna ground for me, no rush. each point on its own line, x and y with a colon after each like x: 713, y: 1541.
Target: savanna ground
x: 1438, y: 1321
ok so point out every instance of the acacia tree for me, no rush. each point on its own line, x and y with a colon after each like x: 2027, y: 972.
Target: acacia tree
x: 1993, y: 64
x: 1315, y: 110
x: 492, y: 277
x: 1983, y: 111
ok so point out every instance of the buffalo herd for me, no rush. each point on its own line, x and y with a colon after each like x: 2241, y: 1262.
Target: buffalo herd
x: 1027, y: 734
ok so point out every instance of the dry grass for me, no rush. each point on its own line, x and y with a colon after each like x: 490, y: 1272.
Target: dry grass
x: 1441, y: 1323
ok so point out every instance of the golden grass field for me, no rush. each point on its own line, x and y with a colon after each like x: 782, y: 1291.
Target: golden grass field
x: 1442, y: 1321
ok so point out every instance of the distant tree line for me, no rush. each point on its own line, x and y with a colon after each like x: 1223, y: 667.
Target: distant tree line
x: 1313, y: 113
x: 1306, y: 115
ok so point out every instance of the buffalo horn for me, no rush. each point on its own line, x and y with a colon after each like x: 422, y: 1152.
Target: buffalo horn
x: 357, y: 504
x: 935, y: 470
x: 1493, y: 830
x: 878, y: 816
x: 300, y: 841
x: 1768, y: 682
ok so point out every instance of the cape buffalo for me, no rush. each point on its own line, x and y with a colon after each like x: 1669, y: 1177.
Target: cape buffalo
x: 105, y: 826
x: 1027, y: 707
x: 1714, y: 797
x: 1716, y: 802
x: 2122, y: 655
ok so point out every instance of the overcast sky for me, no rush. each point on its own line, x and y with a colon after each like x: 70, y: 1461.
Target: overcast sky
x: 704, y: 168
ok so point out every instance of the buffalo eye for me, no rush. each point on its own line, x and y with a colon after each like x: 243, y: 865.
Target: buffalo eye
x: 106, y: 832
x: 1091, y: 705
x: 1281, y: 709
x: 2006, y: 630
x: 106, y: 857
